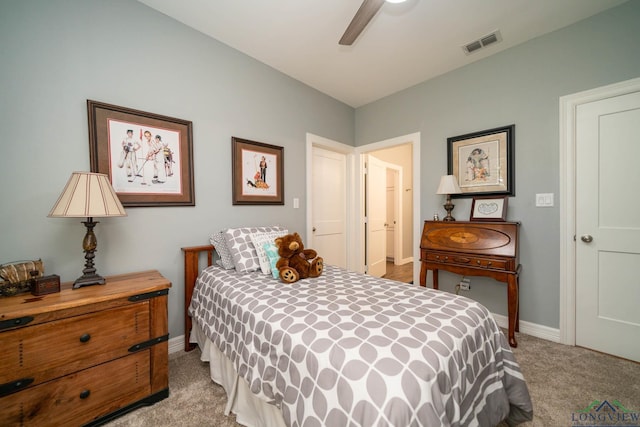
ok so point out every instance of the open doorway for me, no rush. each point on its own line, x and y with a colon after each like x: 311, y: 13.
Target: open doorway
x: 394, y: 163
x: 353, y: 197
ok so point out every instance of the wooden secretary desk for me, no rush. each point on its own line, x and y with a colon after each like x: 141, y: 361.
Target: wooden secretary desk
x: 474, y: 249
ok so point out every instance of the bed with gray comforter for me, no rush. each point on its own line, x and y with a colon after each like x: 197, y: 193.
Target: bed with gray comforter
x: 348, y: 349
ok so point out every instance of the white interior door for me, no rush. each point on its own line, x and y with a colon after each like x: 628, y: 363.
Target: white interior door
x: 376, y: 212
x: 329, y: 206
x: 391, y: 214
x: 608, y: 225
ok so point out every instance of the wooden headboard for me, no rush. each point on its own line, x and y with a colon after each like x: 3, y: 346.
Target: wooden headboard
x: 191, y: 271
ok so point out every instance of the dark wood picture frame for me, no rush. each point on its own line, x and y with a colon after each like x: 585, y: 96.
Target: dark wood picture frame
x: 489, y: 208
x: 258, y: 173
x: 148, y: 157
x: 483, y: 162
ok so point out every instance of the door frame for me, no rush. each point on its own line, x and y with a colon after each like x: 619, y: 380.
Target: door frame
x: 360, y: 151
x: 568, y: 108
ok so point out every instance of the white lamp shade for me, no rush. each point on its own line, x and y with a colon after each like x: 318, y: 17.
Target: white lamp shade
x: 448, y: 185
x: 87, y: 194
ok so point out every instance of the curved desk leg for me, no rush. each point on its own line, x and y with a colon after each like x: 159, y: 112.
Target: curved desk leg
x: 512, y: 297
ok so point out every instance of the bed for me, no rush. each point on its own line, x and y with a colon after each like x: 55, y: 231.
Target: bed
x: 349, y: 349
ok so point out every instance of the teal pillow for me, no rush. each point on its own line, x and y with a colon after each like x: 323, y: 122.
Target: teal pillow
x: 272, y: 253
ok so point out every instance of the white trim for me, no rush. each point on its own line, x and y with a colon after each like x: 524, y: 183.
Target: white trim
x: 414, y: 140
x: 176, y: 344
x: 533, y: 329
x: 568, y: 106
x: 403, y: 261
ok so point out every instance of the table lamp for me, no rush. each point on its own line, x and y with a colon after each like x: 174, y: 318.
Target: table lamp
x: 448, y: 185
x: 88, y: 195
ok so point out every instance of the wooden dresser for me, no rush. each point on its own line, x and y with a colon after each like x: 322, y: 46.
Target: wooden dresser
x: 84, y: 356
x: 474, y: 249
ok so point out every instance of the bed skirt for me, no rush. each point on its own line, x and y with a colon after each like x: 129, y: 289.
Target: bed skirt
x: 250, y: 410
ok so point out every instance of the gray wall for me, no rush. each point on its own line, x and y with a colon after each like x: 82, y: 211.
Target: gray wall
x: 57, y: 54
x: 521, y: 85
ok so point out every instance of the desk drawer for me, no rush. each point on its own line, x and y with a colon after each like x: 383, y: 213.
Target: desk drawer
x: 468, y: 261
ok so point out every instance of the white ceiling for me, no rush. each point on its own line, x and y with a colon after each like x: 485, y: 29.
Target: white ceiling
x: 403, y: 45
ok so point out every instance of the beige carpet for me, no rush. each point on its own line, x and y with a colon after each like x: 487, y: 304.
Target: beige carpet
x: 562, y: 380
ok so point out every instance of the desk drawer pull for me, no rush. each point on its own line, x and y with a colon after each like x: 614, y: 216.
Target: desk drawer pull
x: 85, y: 337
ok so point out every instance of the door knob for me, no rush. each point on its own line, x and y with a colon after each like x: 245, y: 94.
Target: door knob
x: 587, y: 238
x: 314, y: 229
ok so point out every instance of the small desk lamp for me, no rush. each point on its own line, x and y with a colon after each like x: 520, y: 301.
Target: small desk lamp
x: 88, y: 195
x: 448, y: 185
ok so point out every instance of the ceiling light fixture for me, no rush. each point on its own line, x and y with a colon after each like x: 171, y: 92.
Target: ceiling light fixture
x: 395, y: 1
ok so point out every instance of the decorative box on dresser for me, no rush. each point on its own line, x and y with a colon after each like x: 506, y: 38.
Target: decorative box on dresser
x: 84, y: 356
x: 474, y: 249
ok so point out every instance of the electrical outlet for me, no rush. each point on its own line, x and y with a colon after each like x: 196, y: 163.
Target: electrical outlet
x: 465, y: 284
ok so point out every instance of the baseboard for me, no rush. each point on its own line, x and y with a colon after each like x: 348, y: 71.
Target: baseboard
x: 533, y: 329
x: 176, y: 344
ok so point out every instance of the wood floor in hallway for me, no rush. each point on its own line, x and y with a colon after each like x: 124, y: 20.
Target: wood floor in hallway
x: 401, y: 273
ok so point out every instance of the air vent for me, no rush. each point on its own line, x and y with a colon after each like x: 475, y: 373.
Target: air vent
x: 482, y: 42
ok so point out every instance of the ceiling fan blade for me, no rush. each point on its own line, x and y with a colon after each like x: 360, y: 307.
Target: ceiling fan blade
x: 368, y: 10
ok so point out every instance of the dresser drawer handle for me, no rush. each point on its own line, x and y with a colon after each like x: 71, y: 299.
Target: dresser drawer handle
x: 85, y: 337
x: 84, y: 394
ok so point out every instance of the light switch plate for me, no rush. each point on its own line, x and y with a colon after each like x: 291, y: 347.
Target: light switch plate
x: 544, y: 200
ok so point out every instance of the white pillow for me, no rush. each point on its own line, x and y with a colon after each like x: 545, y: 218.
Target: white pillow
x: 245, y: 257
x: 258, y: 240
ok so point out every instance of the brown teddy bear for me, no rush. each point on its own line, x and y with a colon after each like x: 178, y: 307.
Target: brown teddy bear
x: 295, y: 261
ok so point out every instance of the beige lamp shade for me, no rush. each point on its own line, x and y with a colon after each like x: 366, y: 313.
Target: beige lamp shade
x: 448, y: 185
x: 88, y: 195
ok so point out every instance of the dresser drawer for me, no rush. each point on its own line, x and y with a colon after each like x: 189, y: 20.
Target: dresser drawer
x: 468, y: 261
x: 50, y: 350
x: 82, y: 397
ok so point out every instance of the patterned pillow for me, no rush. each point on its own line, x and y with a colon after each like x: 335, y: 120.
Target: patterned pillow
x: 226, y: 260
x: 245, y: 257
x: 272, y: 253
x: 258, y: 240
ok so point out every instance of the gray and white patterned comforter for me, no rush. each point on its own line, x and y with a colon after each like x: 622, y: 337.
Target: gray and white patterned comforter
x: 347, y: 349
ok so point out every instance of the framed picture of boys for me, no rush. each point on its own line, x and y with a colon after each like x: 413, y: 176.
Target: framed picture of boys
x: 148, y: 157
x: 258, y: 173
x: 483, y: 162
